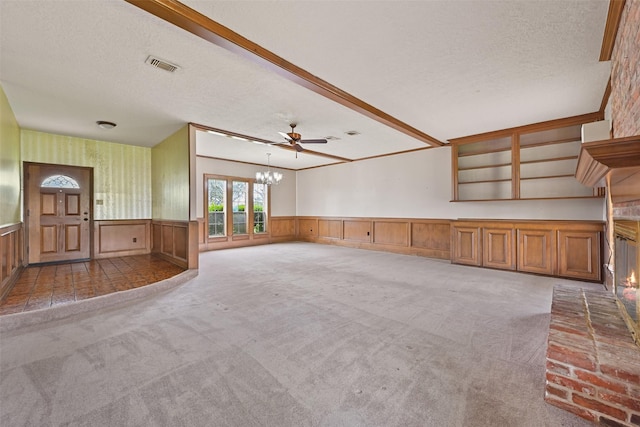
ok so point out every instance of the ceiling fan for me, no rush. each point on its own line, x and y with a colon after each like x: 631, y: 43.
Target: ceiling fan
x: 295, y: 139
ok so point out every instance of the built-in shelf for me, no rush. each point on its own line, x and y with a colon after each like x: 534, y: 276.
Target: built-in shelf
x: 526, y: 162
x: 483, y: 181
x: 546, y: 177
x: 534, y: 162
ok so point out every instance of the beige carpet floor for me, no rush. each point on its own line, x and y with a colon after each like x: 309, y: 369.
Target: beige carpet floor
x: 292, y: 335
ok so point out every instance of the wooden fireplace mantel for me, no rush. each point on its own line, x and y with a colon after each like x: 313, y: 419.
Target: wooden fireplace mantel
x: 619, y: 158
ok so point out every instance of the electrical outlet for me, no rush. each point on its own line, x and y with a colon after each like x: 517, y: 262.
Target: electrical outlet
x: 135, y: 239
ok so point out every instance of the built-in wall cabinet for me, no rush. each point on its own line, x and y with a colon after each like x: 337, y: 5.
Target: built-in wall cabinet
x: 532, y: 162
x: 571, y: 249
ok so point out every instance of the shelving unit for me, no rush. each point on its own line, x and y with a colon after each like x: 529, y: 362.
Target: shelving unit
x: 534, y: 162
x: 485, y: 169
x: 548, y: 162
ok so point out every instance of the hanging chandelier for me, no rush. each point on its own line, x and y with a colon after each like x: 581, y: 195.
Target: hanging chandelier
x: 268, y: 177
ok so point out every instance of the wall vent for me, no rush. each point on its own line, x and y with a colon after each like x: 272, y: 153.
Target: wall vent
x: 159, y: 63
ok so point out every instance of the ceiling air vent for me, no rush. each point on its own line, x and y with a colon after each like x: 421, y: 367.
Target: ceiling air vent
x: 159, y: 63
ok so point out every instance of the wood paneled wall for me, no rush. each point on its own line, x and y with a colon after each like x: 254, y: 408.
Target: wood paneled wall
x: 424, y: 237
x: 176, y: 241
x: 11, y: 250
x: 283, y: 228
x: 121, y: 238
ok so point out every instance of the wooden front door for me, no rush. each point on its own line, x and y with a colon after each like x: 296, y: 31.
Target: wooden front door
x: 59, y: 213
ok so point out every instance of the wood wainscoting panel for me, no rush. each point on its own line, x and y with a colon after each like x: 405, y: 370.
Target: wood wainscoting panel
x: 283, y: 226
x: 156, y: 240
x: 498, y: 250
x: 308, y: 227
x: 356, y: 230
x: 535, y: 251
x: 167, y: 239
x: 11, y: 250
x: 181, y: 241
x: 391, y: 233
x: 202, y: 231
x: 579, y: 254
x: 431, y: 235
x: 431, y: 238
x: 115, y: 238
x: 330, y: 228
x: 411, y: 236
x: 176, y: 241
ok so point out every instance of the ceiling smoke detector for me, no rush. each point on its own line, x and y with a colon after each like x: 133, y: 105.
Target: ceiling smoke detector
x: 162, y: 64
x: 352, y: 132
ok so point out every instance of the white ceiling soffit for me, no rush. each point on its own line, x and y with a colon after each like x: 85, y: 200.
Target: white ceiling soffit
x: 448, y: 68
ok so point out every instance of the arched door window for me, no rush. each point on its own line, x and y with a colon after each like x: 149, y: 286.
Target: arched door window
x: 59, y: 181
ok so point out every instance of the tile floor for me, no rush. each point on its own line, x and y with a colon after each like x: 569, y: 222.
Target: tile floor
x: 51, y: 285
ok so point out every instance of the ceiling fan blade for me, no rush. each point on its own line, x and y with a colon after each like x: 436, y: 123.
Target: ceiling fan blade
x: 287, y: 137
x: 313, y: 141
x: 298, y: 147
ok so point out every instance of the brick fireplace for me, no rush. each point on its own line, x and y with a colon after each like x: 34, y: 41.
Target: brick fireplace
x: 627, y: 265
x: 593, y: 363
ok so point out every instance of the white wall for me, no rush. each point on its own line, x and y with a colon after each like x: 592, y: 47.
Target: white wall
x: 416, y: 185
x: 283, y: 196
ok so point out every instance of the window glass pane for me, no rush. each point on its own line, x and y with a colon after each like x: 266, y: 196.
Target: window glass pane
x: 259, y: 208
x: 240, y: 190
x: 60, y: 181
x: 217, y: 192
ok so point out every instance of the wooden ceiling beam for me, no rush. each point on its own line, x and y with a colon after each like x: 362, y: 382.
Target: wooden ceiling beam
x: 202, y: 26
x: 611, y: 28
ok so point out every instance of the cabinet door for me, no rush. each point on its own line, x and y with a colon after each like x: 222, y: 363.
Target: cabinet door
x: 466, y: 245
x: 498, y: 248
x: 579, y: 254
x: 535, y: 251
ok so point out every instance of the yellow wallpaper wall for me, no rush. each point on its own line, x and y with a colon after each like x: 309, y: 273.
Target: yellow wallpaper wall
x: 9, y: 163
x: 121, y: 173
x: 170, y: 177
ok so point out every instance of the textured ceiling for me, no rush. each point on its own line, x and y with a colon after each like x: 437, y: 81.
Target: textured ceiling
x: 448, y: 68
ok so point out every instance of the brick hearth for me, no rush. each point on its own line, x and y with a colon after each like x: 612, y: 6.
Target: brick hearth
x: 593, y: 365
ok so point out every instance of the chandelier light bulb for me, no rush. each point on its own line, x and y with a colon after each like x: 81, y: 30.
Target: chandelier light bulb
x: 268, y: 177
